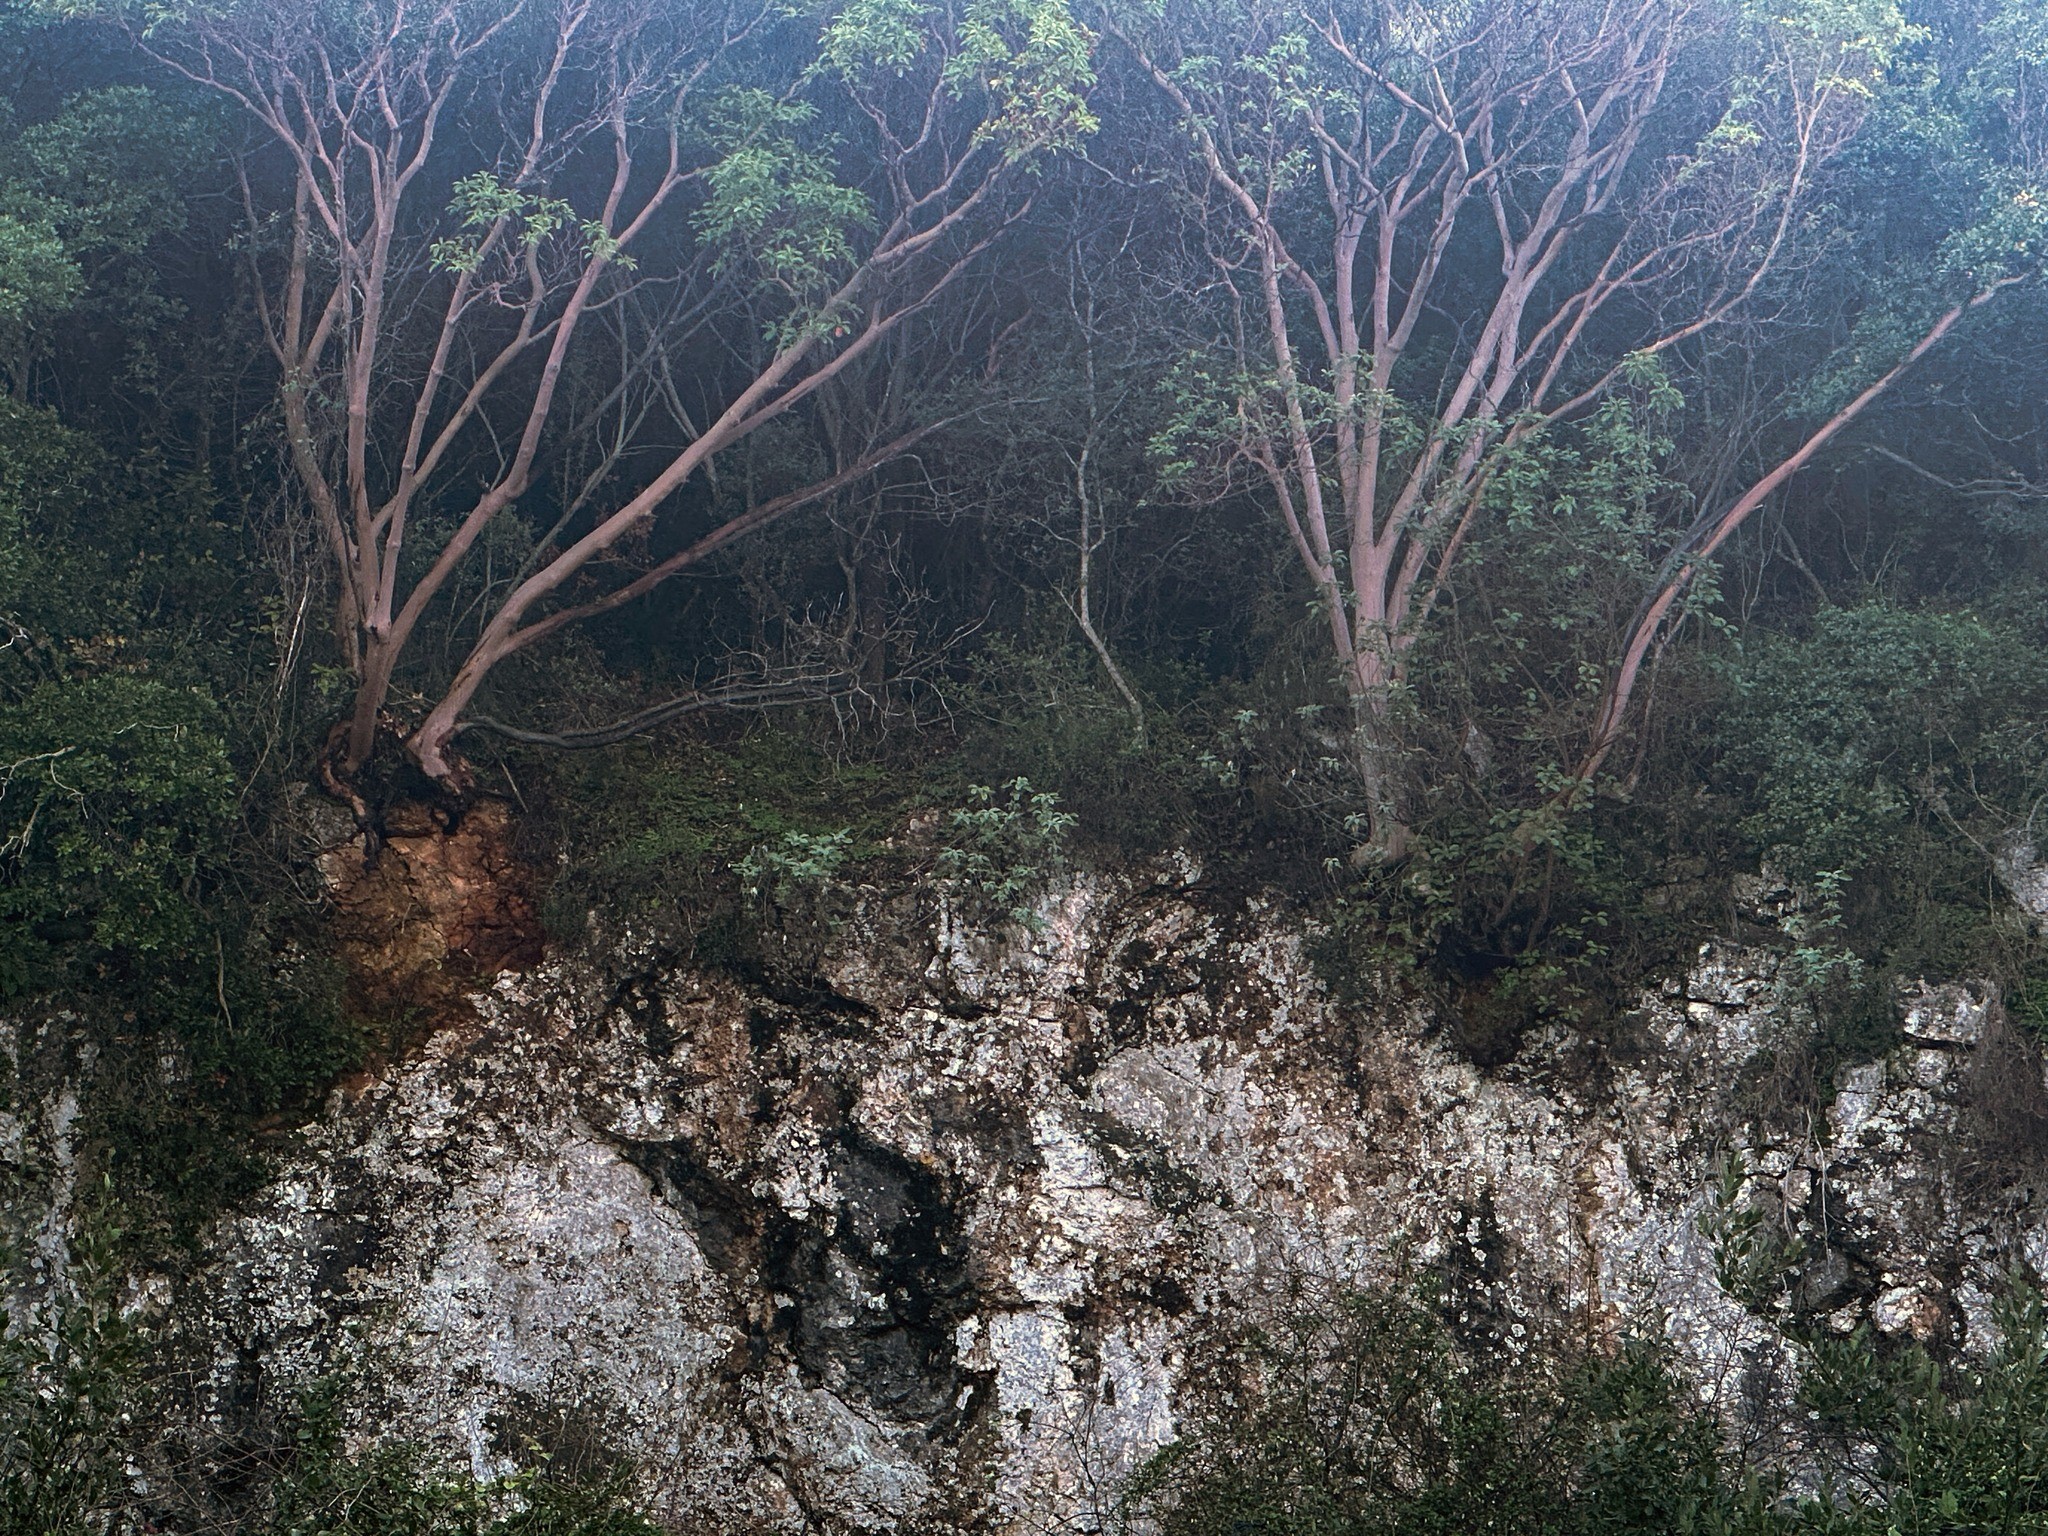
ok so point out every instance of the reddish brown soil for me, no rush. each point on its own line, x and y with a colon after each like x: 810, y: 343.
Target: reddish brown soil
x: 433, y: 909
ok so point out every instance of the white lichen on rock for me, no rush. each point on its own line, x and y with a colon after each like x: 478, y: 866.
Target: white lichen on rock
x: 941, y: 1236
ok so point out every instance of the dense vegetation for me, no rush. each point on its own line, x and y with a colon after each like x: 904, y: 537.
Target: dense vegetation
x: 1502, y: 473
x: 1372, y: 1412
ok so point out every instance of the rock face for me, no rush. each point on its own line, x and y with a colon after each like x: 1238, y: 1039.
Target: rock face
x: 943, y: 1238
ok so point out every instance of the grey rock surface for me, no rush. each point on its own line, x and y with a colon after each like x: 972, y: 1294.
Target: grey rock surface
x: 944, y: 1238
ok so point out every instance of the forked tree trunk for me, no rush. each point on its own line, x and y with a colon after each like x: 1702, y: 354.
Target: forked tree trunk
x: 1422, y: 125
x: 500, y: 282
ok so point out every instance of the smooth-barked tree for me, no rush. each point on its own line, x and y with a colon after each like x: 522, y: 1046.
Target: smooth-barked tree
x: 1422, y: 235
x: 702, y: 211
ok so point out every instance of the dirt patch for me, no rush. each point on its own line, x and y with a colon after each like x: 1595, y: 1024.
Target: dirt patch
x: 441, y: 902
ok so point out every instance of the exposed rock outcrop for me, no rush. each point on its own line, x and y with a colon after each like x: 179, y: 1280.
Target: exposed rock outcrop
x: 946, y: 1239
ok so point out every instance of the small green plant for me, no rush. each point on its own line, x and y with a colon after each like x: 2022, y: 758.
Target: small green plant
x: 1751, y: 1257
x: 1004, y: 845
x: 797, y: 863
x: 1820, y: 959
x: 652, y: 830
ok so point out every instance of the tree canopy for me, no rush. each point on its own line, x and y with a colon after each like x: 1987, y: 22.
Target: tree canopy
x: 1534, y: 483
x: 1498, y: 471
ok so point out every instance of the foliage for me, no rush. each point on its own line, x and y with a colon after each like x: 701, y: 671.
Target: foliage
x: 654, y: 829
x: 797, y: 862
x: 113, y: 793
x: 1367, y: 1411
x: 134, y: 884
x: 1043, y: 712
x: 1379, y: 1411
x: 482, y: 201
x: 68, y: 1369
x: 137, y: 884
x: 1029, y: 60
x: 82, y: 192
x: 76, y: 1390
x: 52, y: 591
x: 1879, y: 755
x: 1879, y: 719
x: 1034, y: 60
x: 1003, y: 845
x: 392, y: 1489
x: 1751, y: 1256
x: 1912, y: 1447
x: 773, y: 200
x: 78, y: 1401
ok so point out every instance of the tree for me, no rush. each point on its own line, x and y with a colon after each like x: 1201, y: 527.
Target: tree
x: 94, y: 185
x: 1433, y: 233
x: 1995, y: 238
x: 473, y: 196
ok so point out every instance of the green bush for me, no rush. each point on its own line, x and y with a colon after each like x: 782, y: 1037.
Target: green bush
x: 75, y: 1408
x: 655, y: 826
x: 1907, y: 1447
x: 796, y: 863
x: 392, y: 1489
x: 145, y: 886
x: 1003, y: 845
x: 1382, y: 1413
x: 1040, y: 708
x: 68, y: 1383
x: 115, y: 793
x: 1876, y: 756
x: 123, y: 893
x: 1881, y: 730
x: 80, y: 1406
x: 1365, y: 1412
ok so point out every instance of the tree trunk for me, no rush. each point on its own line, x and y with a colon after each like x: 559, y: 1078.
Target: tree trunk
x: 432, y: 745
x: 1377, y: 750
x: 379, y: 657
x: 1708, y: 535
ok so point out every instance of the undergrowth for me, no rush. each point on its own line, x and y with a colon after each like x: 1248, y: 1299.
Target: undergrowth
x: 1376, y: 1412
x: 79, y: 1456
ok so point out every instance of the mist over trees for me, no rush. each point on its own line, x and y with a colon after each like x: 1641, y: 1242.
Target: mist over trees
x: 1403, y: 417
x: 1468, y: 464
x: 1533, y: 483
x: 1386, y: 437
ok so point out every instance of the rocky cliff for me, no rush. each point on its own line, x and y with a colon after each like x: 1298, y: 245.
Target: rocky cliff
x: 947, y: 1235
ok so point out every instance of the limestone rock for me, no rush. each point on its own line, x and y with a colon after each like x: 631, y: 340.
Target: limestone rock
x: 945, y: 1239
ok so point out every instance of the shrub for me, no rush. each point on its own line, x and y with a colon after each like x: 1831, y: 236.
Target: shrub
x: 1381, y: 1413
x: 797, y: 862
x: 1876, y: 757
x: 1004, y: 845
x: 115, y: 792
x: 393, y: 1489
x: 651, y: 828
x: 67, y: 1382
x: 1367, y: 1412
x: 1910, y: 1448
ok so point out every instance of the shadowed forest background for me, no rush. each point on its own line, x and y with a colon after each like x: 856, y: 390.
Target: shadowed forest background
x: 1528, y: 482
